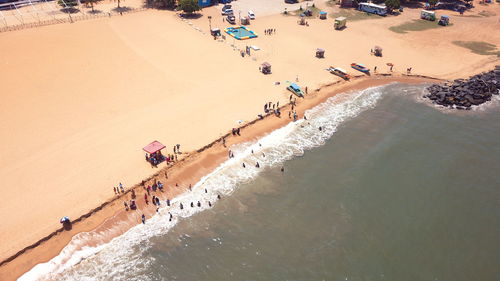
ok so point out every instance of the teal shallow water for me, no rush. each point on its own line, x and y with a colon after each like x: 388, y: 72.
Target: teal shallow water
x: 402, y: 191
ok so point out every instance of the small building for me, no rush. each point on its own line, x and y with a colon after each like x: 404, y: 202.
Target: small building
x: 265, y: 68
x: 153, y: 152
x: 428, y: 15
x: 346, y: 3
x: 373, y: 8
x: 340, y: 23
x: 215, y: 32
x: 320, y: 53
x: 245, y: 20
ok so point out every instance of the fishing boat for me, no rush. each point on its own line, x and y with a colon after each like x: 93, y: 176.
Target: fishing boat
x: 360, y: 67
x: 339, y: 72
x: 294, y: 88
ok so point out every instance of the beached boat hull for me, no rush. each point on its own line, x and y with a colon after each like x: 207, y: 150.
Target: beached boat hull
x: 359, y: 67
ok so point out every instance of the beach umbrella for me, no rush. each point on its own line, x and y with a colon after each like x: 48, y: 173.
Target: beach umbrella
x: 64, y: 220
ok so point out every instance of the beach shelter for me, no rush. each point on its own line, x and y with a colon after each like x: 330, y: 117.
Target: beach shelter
x: 320, y: 53
x: 322, y: 15
x: 265, y: 68
x: 153, y: 147
x: 340, y: 23
x: 377, y: 51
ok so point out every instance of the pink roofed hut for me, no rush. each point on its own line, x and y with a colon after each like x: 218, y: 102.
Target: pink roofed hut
x: 153, y: 152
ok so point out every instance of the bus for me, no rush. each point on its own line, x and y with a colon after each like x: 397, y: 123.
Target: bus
x: 373, y: 8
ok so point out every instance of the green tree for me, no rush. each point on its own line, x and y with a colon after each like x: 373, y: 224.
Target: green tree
x: 392, y: 4
x: 67, y: 3
x: 189, y: 6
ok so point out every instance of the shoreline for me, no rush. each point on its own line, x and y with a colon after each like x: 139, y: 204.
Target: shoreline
x: 110, y: 220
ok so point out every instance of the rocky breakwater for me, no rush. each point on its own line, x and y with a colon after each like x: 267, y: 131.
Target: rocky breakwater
x: 466, y: 93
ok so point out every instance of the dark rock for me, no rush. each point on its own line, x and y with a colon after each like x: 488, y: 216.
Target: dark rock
x: 463, y: 93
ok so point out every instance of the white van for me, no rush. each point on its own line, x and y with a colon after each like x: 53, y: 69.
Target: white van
x: 251, y: 15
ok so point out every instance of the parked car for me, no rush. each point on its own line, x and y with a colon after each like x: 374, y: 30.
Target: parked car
x: 226, y: 7
x: 227, y: 12
x: 251, y: 15
x: 291, y: 1
x: 231, y: 19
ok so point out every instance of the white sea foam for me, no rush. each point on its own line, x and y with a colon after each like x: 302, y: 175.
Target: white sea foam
x: 107, y: 261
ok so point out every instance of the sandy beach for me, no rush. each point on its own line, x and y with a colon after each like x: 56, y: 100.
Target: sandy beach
x: 79, y: 101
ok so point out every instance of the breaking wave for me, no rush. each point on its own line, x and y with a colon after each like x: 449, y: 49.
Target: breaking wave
x: 122, y: 258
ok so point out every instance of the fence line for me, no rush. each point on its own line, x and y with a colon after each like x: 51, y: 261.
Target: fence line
x: 69, y: 19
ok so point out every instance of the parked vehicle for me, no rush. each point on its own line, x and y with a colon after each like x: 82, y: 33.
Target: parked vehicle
x: 373, y: 8
x: 428, y: 15
x: 444, y: 20
x: 251, y: 15
x: 231, y: 19
x: 228, y: 12
x: 291, y: 1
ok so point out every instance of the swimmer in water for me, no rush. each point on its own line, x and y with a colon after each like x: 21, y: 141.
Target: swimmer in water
x: 182, y: 206
x: 244, y: 165
x: 206, y: 190
x: 282, y: 169
x: 257, y: 165
x: 199, y: 204
x: 170, y: 218
x: 209, y: 204
x: 218, y: 196
x: 192, y: 205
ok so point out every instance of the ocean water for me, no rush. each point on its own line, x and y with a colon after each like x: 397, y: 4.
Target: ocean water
x: 390, y: 188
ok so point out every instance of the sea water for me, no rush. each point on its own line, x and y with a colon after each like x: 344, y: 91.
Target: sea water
x: 377, y: 185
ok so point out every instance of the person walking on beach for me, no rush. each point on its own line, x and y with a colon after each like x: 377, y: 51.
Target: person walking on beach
x: 146, y: 198
x: 375, y: 69
x: 143, y: 219
x: 126, y: 205
x: 114, y: 189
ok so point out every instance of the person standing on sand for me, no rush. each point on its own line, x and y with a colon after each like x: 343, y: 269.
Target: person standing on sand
x: 143, y: 219
x: 224, y: 142
x: 146, y: 198
x: 126, y: 205
x: 375, y: 69
x: 114, y: 189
